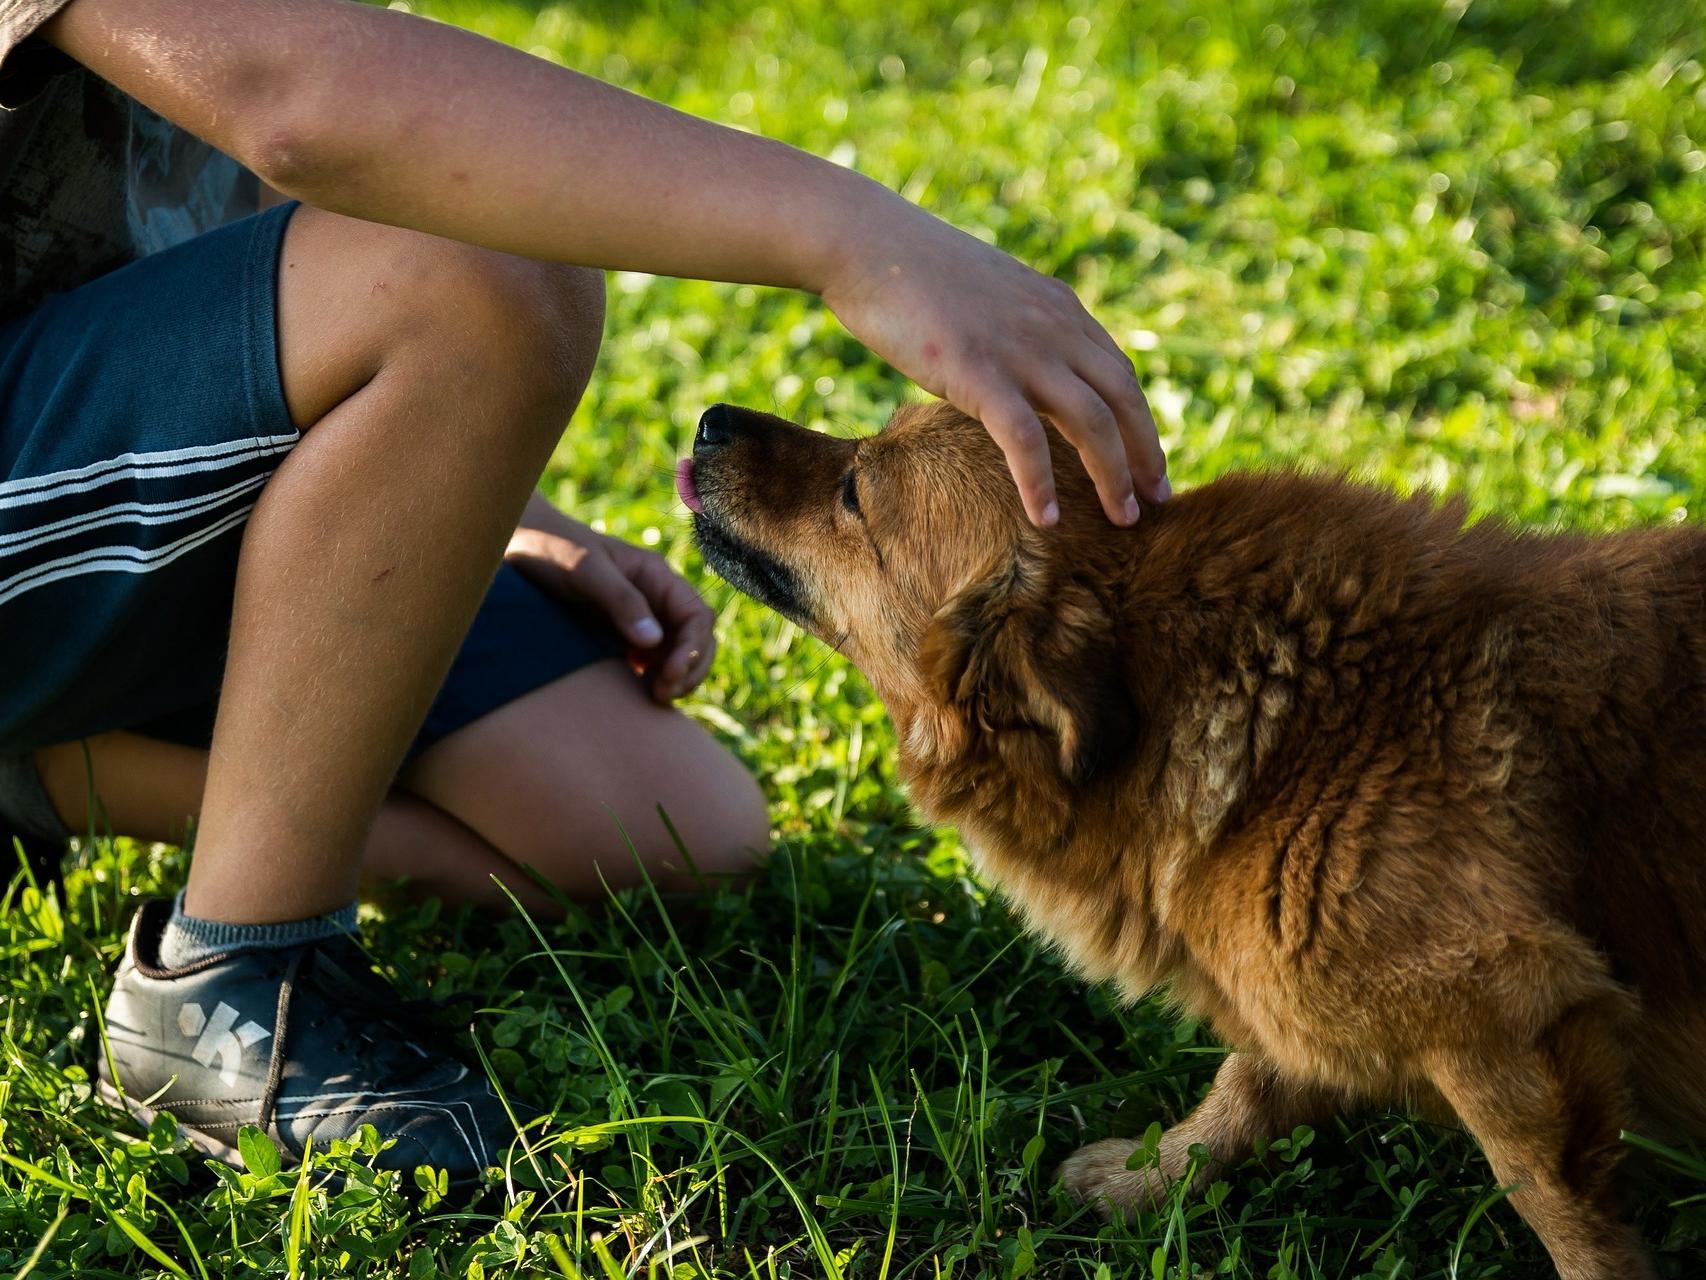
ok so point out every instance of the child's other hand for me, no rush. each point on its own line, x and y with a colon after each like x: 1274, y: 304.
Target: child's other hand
x: 980, y: 329
x: 660, y: 615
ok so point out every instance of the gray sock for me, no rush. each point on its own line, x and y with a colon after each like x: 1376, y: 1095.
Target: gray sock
x: 187, y: 938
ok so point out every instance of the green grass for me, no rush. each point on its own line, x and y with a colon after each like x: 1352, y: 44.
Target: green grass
x: 1458, y: 245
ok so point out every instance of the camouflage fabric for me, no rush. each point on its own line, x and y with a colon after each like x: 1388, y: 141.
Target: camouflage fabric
x: 91, y: 179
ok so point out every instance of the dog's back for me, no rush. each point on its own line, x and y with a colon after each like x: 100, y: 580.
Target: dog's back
x: 1561, y: 679
x: 1612, y: 663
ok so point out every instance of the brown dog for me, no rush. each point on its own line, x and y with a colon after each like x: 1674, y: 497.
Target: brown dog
x: 1408, y: 811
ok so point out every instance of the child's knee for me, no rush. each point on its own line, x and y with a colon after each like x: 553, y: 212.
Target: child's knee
x: 355, y: 297
x: 722, y: 820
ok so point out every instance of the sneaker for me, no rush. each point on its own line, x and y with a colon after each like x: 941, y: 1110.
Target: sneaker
x: 305, y: 1042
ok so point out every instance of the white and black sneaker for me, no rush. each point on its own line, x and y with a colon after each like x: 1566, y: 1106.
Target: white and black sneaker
x: 305, y: 1042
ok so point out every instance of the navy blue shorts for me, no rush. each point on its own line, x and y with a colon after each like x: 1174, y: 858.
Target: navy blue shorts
x: 140, y: 417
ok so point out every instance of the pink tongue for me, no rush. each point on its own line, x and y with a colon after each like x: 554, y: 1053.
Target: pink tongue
x: 684, y: 486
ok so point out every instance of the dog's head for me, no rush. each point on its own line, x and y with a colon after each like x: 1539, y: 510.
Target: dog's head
x: 910, y: 551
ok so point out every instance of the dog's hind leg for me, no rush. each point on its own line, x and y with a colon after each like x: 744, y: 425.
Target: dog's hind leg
x: 1548, y: 1117
x: 1665, y: 1058
x: 1250, y: 1099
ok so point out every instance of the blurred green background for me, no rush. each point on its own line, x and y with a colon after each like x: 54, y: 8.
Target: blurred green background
x: 1457, y: 245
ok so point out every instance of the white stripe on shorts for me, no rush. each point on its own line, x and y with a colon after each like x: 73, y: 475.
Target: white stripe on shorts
x: 142, y: 466
x: 117, y: 559
x: 142, y: 513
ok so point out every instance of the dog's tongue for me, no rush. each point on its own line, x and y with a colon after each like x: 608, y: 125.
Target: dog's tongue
x: 684, y: 486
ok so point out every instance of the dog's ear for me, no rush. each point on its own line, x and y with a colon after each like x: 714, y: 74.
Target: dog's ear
x: 1004, y: 656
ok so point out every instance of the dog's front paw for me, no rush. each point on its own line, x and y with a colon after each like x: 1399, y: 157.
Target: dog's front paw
x: 1098, y: 1175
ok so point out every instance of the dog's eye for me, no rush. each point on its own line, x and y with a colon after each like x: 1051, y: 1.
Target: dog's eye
x: 850, y: 496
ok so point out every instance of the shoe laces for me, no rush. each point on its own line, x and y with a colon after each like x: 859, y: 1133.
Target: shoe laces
x: 354, y: 993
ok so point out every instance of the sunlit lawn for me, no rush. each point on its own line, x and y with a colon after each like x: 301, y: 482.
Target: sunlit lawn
x: 1458, y: 246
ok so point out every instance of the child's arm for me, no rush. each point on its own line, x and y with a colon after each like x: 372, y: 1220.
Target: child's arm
x: 392, y: 118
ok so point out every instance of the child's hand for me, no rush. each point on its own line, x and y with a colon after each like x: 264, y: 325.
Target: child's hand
x: 1003, y: 343
x: 660, y: 615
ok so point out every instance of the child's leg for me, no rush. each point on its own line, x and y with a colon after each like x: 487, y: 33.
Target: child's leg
x: 543, y: 780
x: 413, y: 389
x: 432, y: 381
x: 150, y: 789
x: 564, y: 777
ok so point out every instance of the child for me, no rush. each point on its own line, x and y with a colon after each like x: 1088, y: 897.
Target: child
x: 257, y: 469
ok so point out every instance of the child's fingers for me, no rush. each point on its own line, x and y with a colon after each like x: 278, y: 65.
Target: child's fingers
x: 1112, y: 378
x: 687, y: 619
x: 1014, y: 425
x: 688, y: 661
x: 689, y: 645
x: 700, y: 667
x: 1082, y: 415
x: 1004, y: 344
x: 568, y: 570
x: 603, y: 584
x: 689, y: 667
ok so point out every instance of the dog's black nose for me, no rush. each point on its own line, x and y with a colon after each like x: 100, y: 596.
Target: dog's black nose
x: 716, y: 428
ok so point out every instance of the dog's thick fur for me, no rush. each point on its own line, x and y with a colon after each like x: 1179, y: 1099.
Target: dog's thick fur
x: 1409, y: 811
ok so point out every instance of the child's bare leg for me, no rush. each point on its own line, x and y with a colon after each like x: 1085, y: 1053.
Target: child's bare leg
x: 432, y: 381
x: 151, y: 790
x: 565, y: 777
x: 546, y: 778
